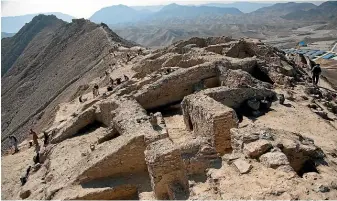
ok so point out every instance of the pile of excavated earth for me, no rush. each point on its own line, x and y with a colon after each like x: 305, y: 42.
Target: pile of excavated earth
x: 206, y: 118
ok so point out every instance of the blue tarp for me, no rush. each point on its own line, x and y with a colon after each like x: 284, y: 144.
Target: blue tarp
x: 302, y: 44
x: 311, y: 52
x: 318, y: 53
x: 328, y: 56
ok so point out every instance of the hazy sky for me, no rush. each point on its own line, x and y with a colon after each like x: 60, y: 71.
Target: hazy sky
x: 80, y: 8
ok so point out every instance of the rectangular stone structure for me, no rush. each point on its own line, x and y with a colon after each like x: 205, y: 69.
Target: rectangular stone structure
x: 209, y: 118
x: 166, y: 168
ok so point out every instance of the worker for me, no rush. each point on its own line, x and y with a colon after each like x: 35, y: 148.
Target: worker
x: 95, y: 90
x: 35, y: 141
x: 316, y: 71
x: 46, y: 138
x: 14, y: 143
x: 126, y: 78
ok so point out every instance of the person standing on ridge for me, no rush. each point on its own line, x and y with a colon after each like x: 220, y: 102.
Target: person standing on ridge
x: 316, y: 71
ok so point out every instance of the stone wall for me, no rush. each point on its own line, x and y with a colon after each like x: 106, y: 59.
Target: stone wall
x: 234, y: 97
x: 175, y: 86
x: 165, y: 167
x: 74, y: 125
x: 103, y: 112
x: 125, y: 156
x: 197, y: 155
x: 131, y: 119
x: 210, y: 119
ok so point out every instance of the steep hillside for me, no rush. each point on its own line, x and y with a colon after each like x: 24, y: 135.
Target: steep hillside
x: 40, y: 28
x: 15, y: 23
x: 51, y: 60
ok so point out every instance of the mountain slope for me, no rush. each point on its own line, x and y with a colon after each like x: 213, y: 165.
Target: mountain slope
x: 281, y: 9
x: 245, y: 7
x: 14, y: 24
x: 325, y: 11
x: 54, y: 60
x: 123, y: 14
x: 12, y: 48
x: 180, y: 11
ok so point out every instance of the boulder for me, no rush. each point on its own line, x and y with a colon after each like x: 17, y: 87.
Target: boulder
x: 322, y: 188
x: 253, y: 104
x: 25, y: 194
x: 242, y: 166
x: 257, y: 148
x: 274, y: 159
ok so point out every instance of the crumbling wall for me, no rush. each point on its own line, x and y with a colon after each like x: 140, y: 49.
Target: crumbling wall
x: 234, y: 97
x: 197, y: 155
x: 74, y: 125
x: 239, y: 79
x: 209, y: 119
x: 173, y: 61
x: 97, y: 112
x: 217, y: 48
x: 125, y: 155
x: 239, y: 50
x: 147, y: 66
x: 131, y: 118
x: 166, y: 168
x: 103, y: 112
x: 122, y: 192
x: 175, y: 86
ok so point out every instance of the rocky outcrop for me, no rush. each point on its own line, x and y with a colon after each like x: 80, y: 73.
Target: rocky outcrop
x: 289, y: 151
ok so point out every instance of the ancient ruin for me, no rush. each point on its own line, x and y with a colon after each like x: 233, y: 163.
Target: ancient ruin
x: 186, y: 125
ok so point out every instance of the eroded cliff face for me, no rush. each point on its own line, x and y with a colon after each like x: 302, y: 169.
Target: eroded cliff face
x: 200, y: 119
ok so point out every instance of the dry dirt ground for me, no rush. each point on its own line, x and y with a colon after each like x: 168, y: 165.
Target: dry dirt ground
x: 222, y: 181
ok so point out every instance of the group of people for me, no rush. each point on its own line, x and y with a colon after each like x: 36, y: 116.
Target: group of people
x: 113, y: 82
x: 34, y: 142
x: 14, y: 141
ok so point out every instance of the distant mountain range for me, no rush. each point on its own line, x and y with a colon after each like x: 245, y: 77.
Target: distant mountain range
x: 119, y: 14
x: 124, y: 14
x: 325, y: 11
x: 281, y: 9
x: 161, y: 25
x: 6, y: 35
x: 245, y: 7
x: 262, y: 23
x: 15, y: 23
